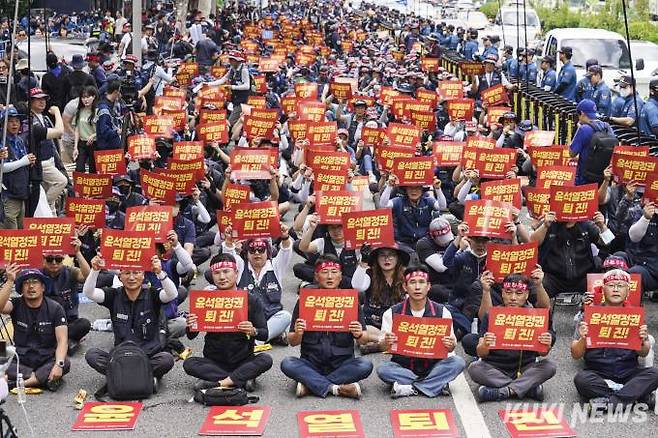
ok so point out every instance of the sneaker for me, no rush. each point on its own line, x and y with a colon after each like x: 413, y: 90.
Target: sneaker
x: 446, y: 391
x: 536, y: 393
x: 351, y: 390
x: 402, y: 390
x: 598, y: 404
x: 486, y: 394
x: 649, y: 399
x: 369, y: 348
x: 204, y: 384
x: 301, y: 390
x: 250, y: 385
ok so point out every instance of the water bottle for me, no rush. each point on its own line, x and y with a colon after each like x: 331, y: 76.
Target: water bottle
x: 20, y: 387
x: 474, y: 326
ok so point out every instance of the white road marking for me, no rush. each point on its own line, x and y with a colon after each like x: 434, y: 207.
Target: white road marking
x: 468, y: 410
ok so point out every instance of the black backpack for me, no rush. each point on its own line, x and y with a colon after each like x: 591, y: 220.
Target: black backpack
x: 129, y: 374
x: 601, y: 146
x: 224, y: 397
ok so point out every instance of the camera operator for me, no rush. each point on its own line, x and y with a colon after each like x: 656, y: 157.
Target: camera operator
x: 134, y: 87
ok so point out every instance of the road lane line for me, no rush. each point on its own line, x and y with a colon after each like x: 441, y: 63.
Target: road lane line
x: 467, y: 408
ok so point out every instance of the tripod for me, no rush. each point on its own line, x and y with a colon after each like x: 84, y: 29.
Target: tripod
x: 11, y: 431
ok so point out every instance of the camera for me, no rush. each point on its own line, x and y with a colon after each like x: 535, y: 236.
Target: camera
x: 129, y: 90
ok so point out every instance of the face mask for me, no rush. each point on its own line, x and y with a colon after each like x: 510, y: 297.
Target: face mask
x: 124, y: 190
x: 625, y: 92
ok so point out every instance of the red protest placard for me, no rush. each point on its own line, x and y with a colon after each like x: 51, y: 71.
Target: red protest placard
x: 493, y: 163
x: 480, y: 142
x: 321, y: 133
x: 448, y: 153
x: 386, y: 95
x: 318, y: 159
x: 289, y: 103
x: 211, y: 116
x: 550, y: 176
x: 185, y: 179
x: 235, y: 194
x: 90, y: 212
x: 487, y: 218
x: 253, y: 163
x: 110, y: 162
x: 410, y: 105
x: 374, y: 227
x: 428, y: 96
x: 257, y: 219
x: 538, y: 138
x: 461, y: 109
x: 172, y: 91
x: 471, y: 68
x: 629, y: 168
x: 504, y: 259
x: 451, y: 89
x: 496, y: 95
x: 403, y: 135
x: 595, y: 286
x: 213, y: 131
x: 542, y: 156
x: 326, y: 424
x: 159, y: 126
x: 518, y: 328
x: 423, y: 423
x: 169, y: 102
x: 574, y: 204
x: 219, y: 310
x: 258, y: 127
x: 416, y: 171
x: 188, y: 150
x: 331, y: 205
x: 328, y: 310
x: 494, y: 113
x: 425, y: 120
x: 22, y: 247
x: 430, y: 64
x: 158, y: 186
x: 306, y: 90
x: 359, y: 184
x: 197, y: 166
x: 542, y: 422
x: 506, y: 190
x: 614, y: 327
x: 179, y: 116
x: 155, y: 220
x: 330, y: 180
x: 186, y: 72
x: 92, y: 185
x: 386, y: 154
x: 298, y: 129
x: 236, y: 420
x: 311, y: 110
x: 341, y: 90
x: 56, y: 233
x: 538, y: 201
x: 651, y: 188
x: 127, y: 249
x: 372, y: 136
x: 420, y: 337
x: 108, y: 416
x: 634, y: 151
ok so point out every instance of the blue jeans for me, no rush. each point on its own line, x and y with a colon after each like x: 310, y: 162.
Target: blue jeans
x: 277, y: 324
x: 442, y: 373
x: 303, y: 370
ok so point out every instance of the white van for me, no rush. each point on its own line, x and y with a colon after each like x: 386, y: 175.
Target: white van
x: 513, y: 29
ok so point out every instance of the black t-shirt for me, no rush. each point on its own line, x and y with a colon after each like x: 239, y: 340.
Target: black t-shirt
x: 34, y: 330
x: 33, y: 138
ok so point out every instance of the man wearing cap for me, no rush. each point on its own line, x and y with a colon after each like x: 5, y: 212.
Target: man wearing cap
x: 128, y: 196
x: 431, y: 249
x: 612, y: 376
x: 353, y: 122
x: 327, y: 363
x: 96, y: 70
x: 584, y: 87
x: 527, y: 67
x: 108, y: 118
x: 489, y: 46
x: 643, y: 245
x: 239, y: 81
x: 490, y: 78
x: 125, y: 46
x: 547, y: 80
x: 75, y: 81
x: 409, y: 376
x: 471, y: 46
x: 601, y: 94
x: 566, y: 79
x: 40, y: 331
x: 649, y: 114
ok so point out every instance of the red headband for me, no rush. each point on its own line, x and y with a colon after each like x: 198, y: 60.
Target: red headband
x: 616, y: 275
x: 327, y: 265
x: 518, y: 285
x: 223, y: 265
x: 441, y: 231
x: 614, y: 262
x: 258, y: 243
x: 413, y: 274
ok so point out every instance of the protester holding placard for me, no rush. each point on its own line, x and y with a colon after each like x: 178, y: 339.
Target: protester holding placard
x: 327, y: 363
x: 127, y: 194
x: 505, y: 373
x: 228, y: 357
x: 40, y: 331
x: 613, y: 376
x: 428, y: 376
x: 431, y: 250
x: 643, y: 246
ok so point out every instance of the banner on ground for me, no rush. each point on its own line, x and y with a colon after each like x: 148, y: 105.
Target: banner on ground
x: 108, y: 416
x: 236, y: 420
x: 424, y: 423
x: 319, y: 424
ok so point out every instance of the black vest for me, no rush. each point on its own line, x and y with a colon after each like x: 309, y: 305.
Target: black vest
x: 347, y: 258
x: 64, y: 290
x: 137, y: 320
x: 34, y: 332
x: 268, y: 291
x: 235, y: 78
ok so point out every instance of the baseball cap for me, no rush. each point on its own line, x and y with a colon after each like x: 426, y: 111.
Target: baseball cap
x: 236, y: 55
x: 590, y: 62
x: 566, y: 50
x: 77, y: 62
x: 549, y: 59
x: 37, y: 93
x: 131, y: 59
x: 587, y: 107
x: 12, y: 112
x: 594, y: 70
x: 626, y: 80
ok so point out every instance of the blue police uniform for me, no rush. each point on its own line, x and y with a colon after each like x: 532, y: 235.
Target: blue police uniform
x: 511, y: 66
x: 602, y: 97
x: 649, y: 117
x: 549, y: 80
x: 628, y: 109
x: 617, y: 106
x: 530, y: 70
x: 492, y: 50
x: 584, y: 89
x: 566, y: 81
x: 470, y: 49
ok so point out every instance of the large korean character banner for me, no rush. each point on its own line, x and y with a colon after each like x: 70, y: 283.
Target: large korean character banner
x: 218, y: 310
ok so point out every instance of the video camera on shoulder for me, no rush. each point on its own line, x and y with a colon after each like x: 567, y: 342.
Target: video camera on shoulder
x: 129, y: 90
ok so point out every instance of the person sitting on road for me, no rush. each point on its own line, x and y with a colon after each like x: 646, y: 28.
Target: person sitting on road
x: 431, y: 249
x: 407, y: 376
x: 327, y: 363
x: 228, y: 358
x: 643, y: 246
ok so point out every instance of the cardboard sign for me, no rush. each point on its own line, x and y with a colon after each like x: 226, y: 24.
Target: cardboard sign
x: 506, y: 190
x: 518, y: 328
x: 159, y: 126
x: 155, y: 220
x: 503, y: 259
x: 537, y: 201
x: 306, y: 90
x: 538, y: 139
x: 158, y: 186
x: 416, y: 171
x: 110, y: 162
x: 331, y: 205
x: 428, y: 96
x: 550, y: 176
x: 188, y: 150
x: 219, y: 310
x: 487, y: 218
x: 257, y: 219
x: 651, y: 188
x: 614, y: 327
x: 92, y: 185
x: 430, y: 64
x: 129, y: 250
x: 372, y: 136
x: 451, y: 89
x: 460, y: 109
x: 319, y: 160
x: 318, y: 424
x: 374, y: 227
x: 631, y: 168
x: 425, y: 120
x: 544, y: 422
x: 22, y: 247
x: 496, y: 95
x: 330, y: 180
x: 403, y: 135
x: 423, y: 423
x: 236, y: 420
x: 448, y: 153
x: 574, y: 204
x: 471, y: 68
x: 235, y: 194
x: 420, y: 337
x: 595, y: 285
x: 253, y: 163
x: 213, y: 131
x: 322, y: 133
x: 56, y: 233
x: 141, y: 147
x: 479, y: 142
x: 90, y: 212
x: 108, y: 416
x: 210, y: 116
x: 543, y: 156
x: 490, y: 163
x: 328, y: 310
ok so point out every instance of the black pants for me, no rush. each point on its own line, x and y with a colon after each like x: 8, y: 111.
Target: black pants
x: 207, y: 369
x: 41, y: 370
x: 78, y: 329
x: 470, y: 343
x: 160, y: 362
x: 641, y: 383
x: 85, y: 156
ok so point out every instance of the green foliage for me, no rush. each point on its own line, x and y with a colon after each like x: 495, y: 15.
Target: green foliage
x: 490, y: 9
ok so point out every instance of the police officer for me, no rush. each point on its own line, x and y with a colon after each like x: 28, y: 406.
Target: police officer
x: 601, y: 94
x: 626, y: 115
x: 470, y: 48
x: 548, y: 78
x: 135, y: 313
x: 508, y: 59
x: 527, y: 67
x: 649, y: 114
x: 514, y: 63
x: 452, y: 39
x: 566, y: 79
x: 40, y: 332
x: 584, y: 87
x: 489, y: 46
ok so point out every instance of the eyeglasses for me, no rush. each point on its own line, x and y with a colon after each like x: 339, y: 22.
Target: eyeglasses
x: 616, y: 286
x: 259, y: 250
x: 54, y: 259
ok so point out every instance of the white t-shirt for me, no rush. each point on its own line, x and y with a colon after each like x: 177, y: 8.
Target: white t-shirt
x: 319, y: 244
x: 125, y: 40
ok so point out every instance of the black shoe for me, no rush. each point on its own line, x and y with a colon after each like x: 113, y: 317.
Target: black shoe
x: 446, y: 390
x: 250, y: 385
x: 536, y: 393
x: 649, y: 399
x: 204, y: 384
x: 53, y: 385
x: 73, y: 346
x: 486, y: 393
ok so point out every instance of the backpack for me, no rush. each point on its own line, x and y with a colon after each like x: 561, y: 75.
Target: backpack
x: 129, y: 373
x: 601, y: 146
x: 223, y: 397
